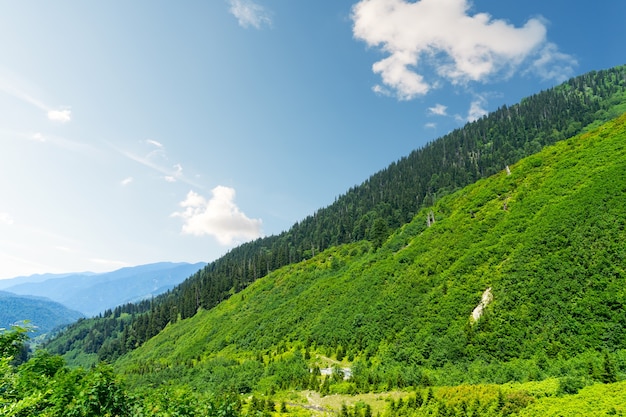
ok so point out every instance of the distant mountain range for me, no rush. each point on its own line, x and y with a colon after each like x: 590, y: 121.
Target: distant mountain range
x: 41, y: 313
x: 92, y: 293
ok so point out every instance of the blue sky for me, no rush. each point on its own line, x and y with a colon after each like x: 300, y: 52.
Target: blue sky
x: 145, y: 131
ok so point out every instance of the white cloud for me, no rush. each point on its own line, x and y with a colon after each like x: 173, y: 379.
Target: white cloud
x: 438, y: 110
x: 442, y: 34
x: 126, y: 181
x: 62, y: 116
x: 380, y: 90
x: 250, y: 14
x: 5, y: 218
x: 218, y: 216
x: 477, y: 109
x: 397, y: 75
x: 430, y: 125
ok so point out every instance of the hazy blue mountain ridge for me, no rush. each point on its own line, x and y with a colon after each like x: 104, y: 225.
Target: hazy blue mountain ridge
x: 42, y: 314
x: 92, y: 293
x: 12, y: 282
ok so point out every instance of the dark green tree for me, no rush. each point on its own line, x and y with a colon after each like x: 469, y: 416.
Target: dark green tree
x: 608, y: 375
x: 379, y: 232
x: 12, y: 341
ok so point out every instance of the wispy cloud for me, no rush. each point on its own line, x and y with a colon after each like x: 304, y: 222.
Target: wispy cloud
x: 459, y: 46
x: 250, y: 14
x: 154, y: 143
x: 217, y: 216
x: 157, y: 160
x: 438, y: 110
x: 9, y: 87
x: 14, y: 86
x: 382, y: 91
x: 477, y: 109
x: 552, y: 64
x: 176, y: 173
x: 148, y: 162
x: 126, y: 181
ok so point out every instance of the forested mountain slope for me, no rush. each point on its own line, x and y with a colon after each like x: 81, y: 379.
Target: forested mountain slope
x: 42, y: 314
x: 384, y: 202
x: 541, y: 248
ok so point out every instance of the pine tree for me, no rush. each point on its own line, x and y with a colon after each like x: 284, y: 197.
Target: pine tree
x: 608, y: 374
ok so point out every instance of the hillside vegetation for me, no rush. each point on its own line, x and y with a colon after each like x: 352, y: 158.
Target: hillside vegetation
x: 505, y: 297
x: 372, y: 210
x: 546, y: 239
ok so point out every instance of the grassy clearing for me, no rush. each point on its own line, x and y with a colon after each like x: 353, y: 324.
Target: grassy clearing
x: 530, y: 399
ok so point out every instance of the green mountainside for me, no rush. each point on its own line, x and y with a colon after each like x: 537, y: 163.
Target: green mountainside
x: 370, y: 211
x: 542, y: 245
x: 505, y: 297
